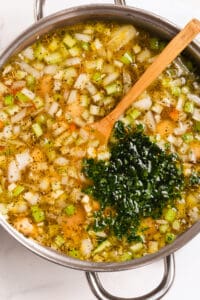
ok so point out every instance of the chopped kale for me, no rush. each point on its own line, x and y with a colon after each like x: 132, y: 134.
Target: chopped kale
x: 139, y: 180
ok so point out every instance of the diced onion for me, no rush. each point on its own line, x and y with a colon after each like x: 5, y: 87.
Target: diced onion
x: 81, y: 81
x: 19, y: 116
x: 83, y: 37
x: 13, y: 172
x: 23, y: 159
x: 29, y: 69
x: 73, y: 61
x: 53, y: 108
x: 143, y: 104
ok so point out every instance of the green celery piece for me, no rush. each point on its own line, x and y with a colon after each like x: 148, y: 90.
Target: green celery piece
x: 170, y: 215
x: 40, y: 51
x: 170, y: 237
x: 74, y: 253
x: 37, y: 129
x: 69, y: 41
x: 18, y: 190
x: 59, y: 240
x: 85, y: 46
x: 37, y: 214
x: 126, y: 256
x: 70, y: 210
x: 30, y: 81
x: 38, y: 102
x: 102, y: 247
x: 9, y: 100
x: 154, y: 44
x: 189, y: 107
x: 97, y: 77
x: 197, y: 126
x: 53, y: 58
x: 113, y: 88
x: 21, y: 97
x: 127, y: 58
x: 187, y: 137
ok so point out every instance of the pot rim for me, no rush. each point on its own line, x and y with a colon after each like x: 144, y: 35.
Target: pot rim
x: 75, y: 15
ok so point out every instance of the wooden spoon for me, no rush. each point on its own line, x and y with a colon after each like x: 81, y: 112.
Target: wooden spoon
x: 102, y: 129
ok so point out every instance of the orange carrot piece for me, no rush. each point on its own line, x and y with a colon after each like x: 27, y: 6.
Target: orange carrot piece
x: 174, y: 114
x: 165, y: 127
x: 1, y: 125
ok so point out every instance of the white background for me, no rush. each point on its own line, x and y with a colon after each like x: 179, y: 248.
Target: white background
x: 23, y: 275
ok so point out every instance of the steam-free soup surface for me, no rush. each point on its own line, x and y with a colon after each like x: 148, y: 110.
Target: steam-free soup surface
x: 48, y: 93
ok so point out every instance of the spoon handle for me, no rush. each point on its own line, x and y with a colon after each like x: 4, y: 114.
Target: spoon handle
x: 170, y: 52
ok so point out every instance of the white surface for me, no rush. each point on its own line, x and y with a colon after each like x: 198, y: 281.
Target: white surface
x: 24, y: 276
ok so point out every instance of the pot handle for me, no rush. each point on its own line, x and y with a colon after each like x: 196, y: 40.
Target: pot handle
x: 39, y: 8
x: 167, y: 280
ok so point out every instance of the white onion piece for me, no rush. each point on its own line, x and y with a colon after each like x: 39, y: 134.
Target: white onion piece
x: 83, y: 37
x: 72, y: 96
x: 181, y: 129
x: 121, y: 37
x: 144, y: 55
x: 29, y: 69
x: 28, y: 53
x: 13, y: 172
x: 32, y: 198
x: 194, y: 98
x: 91, y: 88
x: 81, y: 81
x: 19, y: 116
x: 51, y: 69
x: 53, y: 108
x: 61, y: 161
x: 143, y: 104
x: 73, y: 61
x: 3, y: 88
x: 86, y: 247
x: 149, y: 120
x: 23, y: 159
x: 7, y: 70
x: 110, y: 78
x: 196, y: 114
x: 28, y: 93
x: 180, y: 103
x: 18, y: 84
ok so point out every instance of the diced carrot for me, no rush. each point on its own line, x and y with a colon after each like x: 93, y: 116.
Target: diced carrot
x: 1, y: 125
x: 165, y: 127
x: 95, y: 205
x: 45, y: 85
x: 195, y: 147
x: 72, y: 226
x: 148, y: 226
x: 174, y: 114
x: 72, y: 127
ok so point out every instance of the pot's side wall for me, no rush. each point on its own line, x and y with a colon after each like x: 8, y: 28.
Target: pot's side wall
x: 140, y: 18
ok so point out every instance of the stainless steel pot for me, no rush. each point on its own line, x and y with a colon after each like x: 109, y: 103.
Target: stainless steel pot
x: 153, y: 23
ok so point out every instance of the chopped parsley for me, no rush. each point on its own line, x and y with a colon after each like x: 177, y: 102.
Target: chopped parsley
x: 138, y: 181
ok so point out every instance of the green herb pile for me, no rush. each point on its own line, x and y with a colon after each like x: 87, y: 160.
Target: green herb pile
x: 139, y: 180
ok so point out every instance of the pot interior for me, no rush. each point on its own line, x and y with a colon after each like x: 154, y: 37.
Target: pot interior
x: 141, y: 19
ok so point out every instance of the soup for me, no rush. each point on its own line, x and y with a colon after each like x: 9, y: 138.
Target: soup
x: 59, y: 185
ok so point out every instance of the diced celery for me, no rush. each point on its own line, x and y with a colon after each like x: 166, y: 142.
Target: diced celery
x: 154, y: 43
x: 170, y: 237
x: 85, y: 46
x: 75, y: 51
x: 134, y: 113
x: 41, y: 119
x: 97, y: 77
x: 53, y: 230
x: 40, y: 51
x: 18, y: 190
x: 53, y: 58
x: 70, y: 210
x: 176, y: 91
x: 84, y: 100
x: 51, y: 154
x: 37, y: 214
x: 170, y: 215
x: 163, y: 228
x: 126, y: 256
x: 69, y: 41
x: 20, y: 74
x: 197, y: 126
x: 189, y: 107
x: 38, y: 102
x: 113, y: 88
x: 102, y: 247
x: 21, y: 97
x: 54, y: 44
x: 37, y: 129
x: 74, y: 253
x: 127, y: 58
x: 187, y: 137
x: 8, y: 100
x: 30, y: 81
x: 59, y: 240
